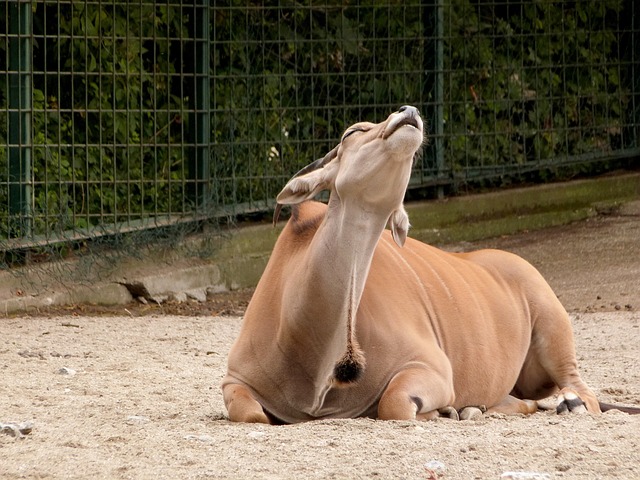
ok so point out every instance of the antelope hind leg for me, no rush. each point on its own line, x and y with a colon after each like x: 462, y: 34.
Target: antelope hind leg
x: 241, y: 405
x: 553, y: 358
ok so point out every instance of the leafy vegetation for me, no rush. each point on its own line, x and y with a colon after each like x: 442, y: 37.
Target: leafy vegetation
x: 107, y: 107
x: 536, y: 81
x: 526, y: 84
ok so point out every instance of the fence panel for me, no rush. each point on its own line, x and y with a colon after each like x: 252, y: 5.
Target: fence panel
x: 107, y: 95
x: 538, y: 84
x: 287, y: 80
x: 121, y: 116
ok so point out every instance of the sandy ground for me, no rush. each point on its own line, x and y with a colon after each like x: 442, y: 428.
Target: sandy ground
x: 138, y: 396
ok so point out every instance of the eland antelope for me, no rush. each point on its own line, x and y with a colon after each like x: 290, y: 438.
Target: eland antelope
x: 352, y: 320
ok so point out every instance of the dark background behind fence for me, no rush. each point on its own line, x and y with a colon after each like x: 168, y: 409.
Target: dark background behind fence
x: 118, y: 117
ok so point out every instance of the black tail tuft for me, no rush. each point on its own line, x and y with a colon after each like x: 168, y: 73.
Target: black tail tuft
x: 347, y: 371
x: 350, y: 368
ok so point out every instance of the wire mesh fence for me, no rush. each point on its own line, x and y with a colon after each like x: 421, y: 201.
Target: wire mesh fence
x: 540, y: 84
x: 124, y: 116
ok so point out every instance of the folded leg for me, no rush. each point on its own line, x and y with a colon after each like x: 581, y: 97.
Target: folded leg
x: 418, y: 392
x: 241, y: 405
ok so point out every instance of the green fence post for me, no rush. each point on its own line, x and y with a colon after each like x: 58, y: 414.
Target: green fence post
x: 19, y: 119
x: 635, y: 71
x: 199, y: 123
x: 439, y: 124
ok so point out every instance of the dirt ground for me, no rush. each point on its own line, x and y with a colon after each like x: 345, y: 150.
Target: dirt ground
x: 133, y: 392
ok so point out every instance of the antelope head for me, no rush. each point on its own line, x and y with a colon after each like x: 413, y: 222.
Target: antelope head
x: 369, y: 168
x: 367, y: 174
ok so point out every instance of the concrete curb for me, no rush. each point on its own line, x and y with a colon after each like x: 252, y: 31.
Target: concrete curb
x: 103, y: 294
x: 177, y: 285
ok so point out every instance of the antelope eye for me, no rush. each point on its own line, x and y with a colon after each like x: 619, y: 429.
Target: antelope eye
x: 351, y: 132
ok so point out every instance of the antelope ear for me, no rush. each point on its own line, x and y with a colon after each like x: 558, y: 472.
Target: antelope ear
x: 307, y: 186
x: 399, y: 223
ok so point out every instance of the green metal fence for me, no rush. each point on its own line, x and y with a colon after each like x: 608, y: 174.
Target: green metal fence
x: 120, y: 116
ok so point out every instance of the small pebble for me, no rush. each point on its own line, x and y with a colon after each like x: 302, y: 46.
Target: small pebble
x: 200, y: 438
x: 525, y: 475
x: 67, y: 371
x: 435, y: 466
x: 137, y: 419
x: 16, y: 430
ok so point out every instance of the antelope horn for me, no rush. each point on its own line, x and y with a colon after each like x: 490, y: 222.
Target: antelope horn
x: 315, y: 165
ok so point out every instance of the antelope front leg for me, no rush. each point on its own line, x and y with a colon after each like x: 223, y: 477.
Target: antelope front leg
x: 241, y: 405
x: 418, y: 393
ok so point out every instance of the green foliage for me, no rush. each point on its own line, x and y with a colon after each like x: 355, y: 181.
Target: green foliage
x: 106, y: 114
x: 533, y: 81
x: 288, y: 80
x: 524, y: 83
x: 4, y: 167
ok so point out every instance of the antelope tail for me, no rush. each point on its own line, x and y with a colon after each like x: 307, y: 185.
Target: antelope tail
x: 610, y: 406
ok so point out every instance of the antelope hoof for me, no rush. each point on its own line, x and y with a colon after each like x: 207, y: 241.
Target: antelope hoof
x: 472, y: 413
x: 569, y: 402
x: 448, y: 412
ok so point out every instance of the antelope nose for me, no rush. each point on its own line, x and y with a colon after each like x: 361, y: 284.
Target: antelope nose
x: 413, y: 111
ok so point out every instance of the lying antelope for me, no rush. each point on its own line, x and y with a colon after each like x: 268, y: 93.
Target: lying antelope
x: 345, y: 323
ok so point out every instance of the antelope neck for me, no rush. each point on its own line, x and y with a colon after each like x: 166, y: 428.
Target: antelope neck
x: 330, y: 283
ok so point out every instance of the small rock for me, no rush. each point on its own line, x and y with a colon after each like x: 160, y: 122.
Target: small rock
x: 10, y: 429
x: 435, y: 466
x: 256, y: 435
x: 67, y: 371
x: 215, y: 289
x: 525, y: 475
x: 137, y: 419
x: 198, y: 294
x: 16, y: 430
x: 30, y: 354
x: 159, y: 299
x: 200, y: 438
x: 178, y: 297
